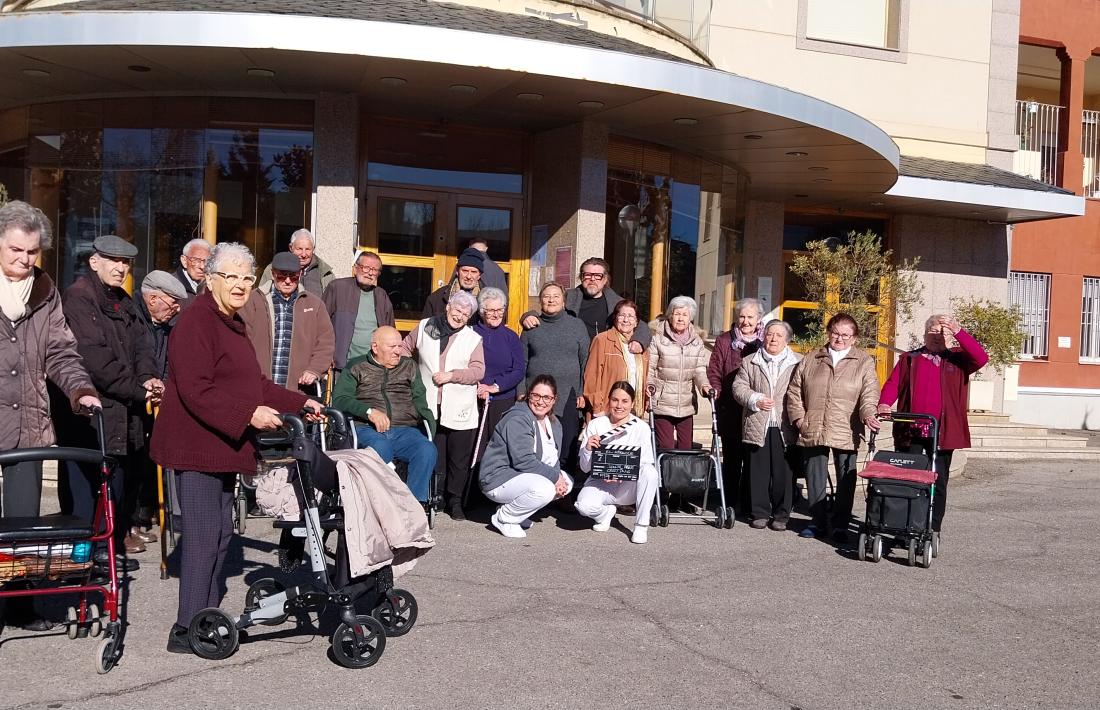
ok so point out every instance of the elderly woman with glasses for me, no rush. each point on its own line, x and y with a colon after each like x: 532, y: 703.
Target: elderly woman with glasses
x: 833, y: 395
x: 611, y: 360
x: 505, y: 363
x: 215, y: 401
x: 730, y: 348
x: 677, y: 367
x: 452, y: 364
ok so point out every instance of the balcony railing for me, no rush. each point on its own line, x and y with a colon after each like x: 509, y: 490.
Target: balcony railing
x: 1090, y: 148
x: 688, y: 18
x: 1037, y: 127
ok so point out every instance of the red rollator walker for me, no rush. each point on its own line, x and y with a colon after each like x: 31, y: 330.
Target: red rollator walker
x: 53, y: 554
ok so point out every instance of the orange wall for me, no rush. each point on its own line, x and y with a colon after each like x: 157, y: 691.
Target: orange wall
x: 1067, y: 249
x: 1074, y: 24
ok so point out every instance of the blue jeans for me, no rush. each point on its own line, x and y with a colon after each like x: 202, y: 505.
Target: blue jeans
x: 404, y: 443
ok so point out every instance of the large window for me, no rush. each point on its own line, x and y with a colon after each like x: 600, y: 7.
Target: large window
x: 1031, y: 292
x: 160, y: 172
x: 870, y: 29
x: 1090, y: 319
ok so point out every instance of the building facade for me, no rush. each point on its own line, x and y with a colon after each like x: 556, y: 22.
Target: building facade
x: 695, y: 145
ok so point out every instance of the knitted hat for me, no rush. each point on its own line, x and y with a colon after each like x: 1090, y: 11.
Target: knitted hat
x: 472, y: 257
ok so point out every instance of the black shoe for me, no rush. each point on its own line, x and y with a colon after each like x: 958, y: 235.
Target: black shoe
x: 177, y: 640
x: 840, y: 535
x: 778, y: 525
x: 122, y: 562
x: 456, y: 511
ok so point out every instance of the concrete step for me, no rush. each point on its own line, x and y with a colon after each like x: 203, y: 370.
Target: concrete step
x: 987, y: 418
x: 1011, y: 429
x: 1037, y: 442
x: 1082, y: 455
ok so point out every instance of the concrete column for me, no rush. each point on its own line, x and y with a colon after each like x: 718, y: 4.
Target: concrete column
x: 1071, y: 162
x: 1003, y: 60
x: 569, y: 193
x: 335, y: 174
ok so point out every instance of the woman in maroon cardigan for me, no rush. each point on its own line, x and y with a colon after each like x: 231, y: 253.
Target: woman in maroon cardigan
x: 935, y: 379
x: 216, y: 399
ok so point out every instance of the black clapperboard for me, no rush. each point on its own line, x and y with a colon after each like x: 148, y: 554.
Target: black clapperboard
x: 619, y: 462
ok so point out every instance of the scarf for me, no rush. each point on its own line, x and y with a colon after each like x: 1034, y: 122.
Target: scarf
x: 739, y: 339
x: 439, y: 328
x: 773, y: 367
x: 455, y: 287
x: 14, y: 296
x: 934, y: 358
x: 682, y: 339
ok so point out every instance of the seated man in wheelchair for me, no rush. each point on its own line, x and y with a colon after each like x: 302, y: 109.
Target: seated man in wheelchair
x: 383, y: 390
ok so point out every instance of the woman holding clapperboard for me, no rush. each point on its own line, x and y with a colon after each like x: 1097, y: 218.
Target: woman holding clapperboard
x: 619, y: 430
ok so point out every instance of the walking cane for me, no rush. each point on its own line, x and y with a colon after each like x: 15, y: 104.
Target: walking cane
x: 153, y: 411
x: 477, y: 448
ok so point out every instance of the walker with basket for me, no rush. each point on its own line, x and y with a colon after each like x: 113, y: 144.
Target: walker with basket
x: 688, y: 479
x: 360, y: 639
x: 53, y: 554
x: 900, y: 490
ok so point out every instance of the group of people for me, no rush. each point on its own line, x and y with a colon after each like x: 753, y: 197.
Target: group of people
x: 220, y: 352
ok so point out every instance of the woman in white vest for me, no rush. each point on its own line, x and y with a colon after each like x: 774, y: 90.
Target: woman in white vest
x: 600, y: 497
x: 452, y: 362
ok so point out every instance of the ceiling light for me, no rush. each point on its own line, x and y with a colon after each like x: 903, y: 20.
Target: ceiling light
x: 685, y: 121
x: 463, y: 88
x: 877, y: 204
x: 261, y: 72
x: 139, y: 68
x: 392, y: 81
x: 822, y: 180
x: 433, y: 134
x: 799, y: 194
x: 817, y: 168
x: 797, y: 153
x: 590, y: 104
x: 529, y: 96
x: 752, y: 136
x: 36, y: 72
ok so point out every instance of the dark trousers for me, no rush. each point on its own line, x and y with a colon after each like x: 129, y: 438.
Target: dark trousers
x: 206, y: 503
x: 770, y: 478
x: 454, y: 448
x: 673, y: 432
x: 923, y: 445
x: 22, y: 493
x: 78, y: 491
x: 817, y: 485
x: 734, y: 460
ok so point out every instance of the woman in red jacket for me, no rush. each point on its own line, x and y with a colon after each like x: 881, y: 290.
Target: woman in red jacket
x: 216, y: 400
x: 935, y: 379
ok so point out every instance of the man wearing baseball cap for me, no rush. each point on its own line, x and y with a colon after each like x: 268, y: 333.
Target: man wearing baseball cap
x: 118, y: 352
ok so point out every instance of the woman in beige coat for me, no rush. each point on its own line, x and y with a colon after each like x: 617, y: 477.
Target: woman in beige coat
x: 760, y: 386
x: 677, y: 365
x: 833, y: 394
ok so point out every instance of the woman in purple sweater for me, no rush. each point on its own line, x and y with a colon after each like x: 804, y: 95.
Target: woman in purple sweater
x: 505, y: 360
x: 935, y: 379
x: 216, y: 400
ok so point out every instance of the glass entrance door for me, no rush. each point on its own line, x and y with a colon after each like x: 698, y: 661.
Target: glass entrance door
x: 420, y: 233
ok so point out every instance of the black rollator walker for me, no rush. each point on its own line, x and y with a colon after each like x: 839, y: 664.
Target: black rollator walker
x: 360, y: 639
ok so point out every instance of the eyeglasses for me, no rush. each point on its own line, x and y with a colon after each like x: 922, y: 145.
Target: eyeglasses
x: 626, y: 317
x: 234, y: 279
x: 493, y: 311
x: 841, y: 336
x: 369, y: 269
x: 287, y: 275
x: 196, y: 260
x: 592, y: 276
x: 537, y: 398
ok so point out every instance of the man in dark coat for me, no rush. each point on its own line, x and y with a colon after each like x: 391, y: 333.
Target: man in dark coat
x: 162, y: 299
x: 118, y: 352
x: 467, y: 278
x: 191, y: 273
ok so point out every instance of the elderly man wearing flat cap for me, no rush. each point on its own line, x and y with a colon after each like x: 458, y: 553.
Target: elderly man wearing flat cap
x: 467, y: 277
x: 289, y: 327
x: 117, y: 349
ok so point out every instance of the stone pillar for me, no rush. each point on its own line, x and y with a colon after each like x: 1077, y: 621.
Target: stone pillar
x: 1004, y: 49
x: 764, y: 251
x: 1071, y: 162
x: 335, y: 179
x: 569, y: 194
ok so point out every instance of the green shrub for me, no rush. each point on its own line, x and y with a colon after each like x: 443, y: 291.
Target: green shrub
x: 997, y: 327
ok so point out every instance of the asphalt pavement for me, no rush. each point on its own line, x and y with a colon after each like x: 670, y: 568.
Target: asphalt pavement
x: 1006, y: 617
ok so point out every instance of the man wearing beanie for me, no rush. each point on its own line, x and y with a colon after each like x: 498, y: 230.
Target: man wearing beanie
x: 467, y: 278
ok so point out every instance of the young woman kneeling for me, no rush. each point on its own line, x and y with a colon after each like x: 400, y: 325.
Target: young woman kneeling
x: 520, y: 469
x: 599, y: 497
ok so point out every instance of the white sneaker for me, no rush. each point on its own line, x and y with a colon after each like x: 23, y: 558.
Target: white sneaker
x: 641, y: 534
x: 603, y: 520
x: 506, y: 529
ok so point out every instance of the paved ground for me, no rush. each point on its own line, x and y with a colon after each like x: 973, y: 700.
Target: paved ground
x: 1006, y: 617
